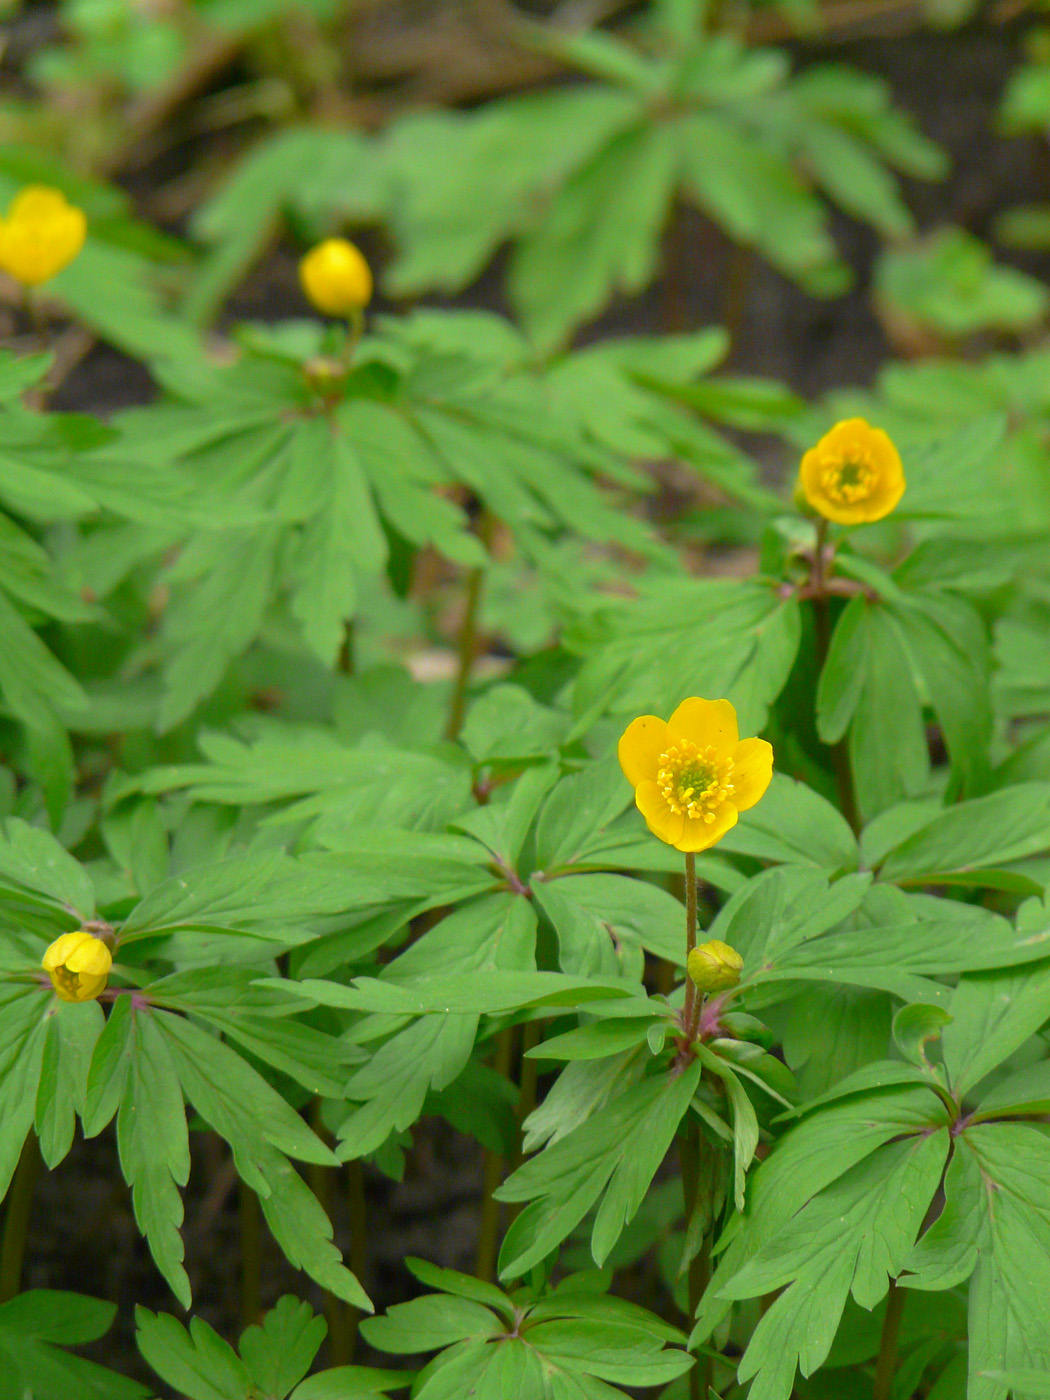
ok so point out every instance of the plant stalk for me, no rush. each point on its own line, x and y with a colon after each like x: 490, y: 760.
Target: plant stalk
x: 700, y: 1264
x: 340, y: 1345
x: 822, y: 630
x: 488, y: 1235
x: 692, y: 1000
x: 16, y: 1219
x: 887, y: 1360
x: 358, y: 1244
x: 466, y: 649
x: 251, y: 1256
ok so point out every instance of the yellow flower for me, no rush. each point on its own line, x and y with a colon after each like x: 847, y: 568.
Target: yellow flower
x: 853, y: 475
x: 41, y: 235
x: 714, y: 966
x: 692, y: 774
x: 336, y: 277
x: 78, y: 965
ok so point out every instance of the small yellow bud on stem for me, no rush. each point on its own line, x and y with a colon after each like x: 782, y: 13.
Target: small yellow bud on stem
x: 336, y: 279
x: 714, y: 966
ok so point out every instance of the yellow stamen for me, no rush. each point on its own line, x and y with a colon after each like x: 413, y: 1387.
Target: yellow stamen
x: 695, y: 782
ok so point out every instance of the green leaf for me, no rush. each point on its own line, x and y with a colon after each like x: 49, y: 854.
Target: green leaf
x: 996, y: 1226
x: 486, y: 993
x: 641, y: 657
x: 23, y: 1035
x: 154, y: 1146
x: 815, y: 1153
x: 970, y: 842
x: 32, y: 1327
x: 618, y: 1157
x: 794, y: 825
x: 852, y: 1238
x: 993, y: 1014
x: 280, y: 1350
x: 197, y: 1363
x: 72, y: 1032
x: 425, y: 1324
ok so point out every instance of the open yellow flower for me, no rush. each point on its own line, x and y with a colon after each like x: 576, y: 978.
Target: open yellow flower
x: 336, y: 278
x: 41, y: 235
x: 854, y: 474
x: 692, y: 773
x: 78, y: 965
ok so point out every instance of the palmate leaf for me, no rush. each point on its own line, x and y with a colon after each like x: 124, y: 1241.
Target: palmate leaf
x: 614, y: 1159
x: 852, y: 1238
x: 292, y: 484
x: 555, y: 172
x: 146, y: 1061
x: 34, y: 1327
x: 863, y: 1220
x: 274, y: 1357
x: 319, y: 774
x: 879, y: 652
x: 569, y: 1342
x: 643, y: 656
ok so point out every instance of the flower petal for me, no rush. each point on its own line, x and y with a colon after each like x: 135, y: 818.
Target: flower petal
x: 91, y: 959
x: 706, y: 722
x: 752, y: 772
x: 698, y: 835
x: 639, y: 750
x: 659, y: 818
x: 62, y: 949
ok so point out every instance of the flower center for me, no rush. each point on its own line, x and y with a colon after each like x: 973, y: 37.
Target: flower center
x: 849, y: 481
x: 694, y: 781
x: 69, y: 981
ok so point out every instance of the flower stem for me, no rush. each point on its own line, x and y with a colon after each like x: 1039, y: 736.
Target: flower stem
x: 466, y: 647
x: 700, y: 1264
x: 358, y: 1244
x: 822, y: 628
x: 16, y: 1219
x: 691, y: 998
x: 887, y: 1360
x: 251, y: 1256
x: 488, y: 1235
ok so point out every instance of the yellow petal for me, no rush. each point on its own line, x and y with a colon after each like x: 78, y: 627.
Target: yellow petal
x: 91, y: 959
x: 38, y: 202
x: 639, y: 750
x: 706, y: 722
x: 90, y: 987
x: 698, y: 835
x: 752, y: 772
x: 62, y: 949
x: 659, y: 818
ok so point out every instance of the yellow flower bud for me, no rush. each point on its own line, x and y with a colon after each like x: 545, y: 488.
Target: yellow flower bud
x: 41, y: 235
x: 854, y: 474
x: 336, y: 278
x: 714, y: 966
x: 78, y: 965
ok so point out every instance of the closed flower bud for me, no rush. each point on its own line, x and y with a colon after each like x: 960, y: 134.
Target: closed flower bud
x: 78, y: 965
x: 336, y: 278
x: 714, y: 966
x: 41, y: 235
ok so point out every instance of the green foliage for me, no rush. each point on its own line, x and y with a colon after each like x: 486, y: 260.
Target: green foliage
x: 312, y: 674
x: 273, y: 1358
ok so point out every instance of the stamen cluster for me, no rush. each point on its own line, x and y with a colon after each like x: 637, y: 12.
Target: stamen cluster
x: 693, y: 781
